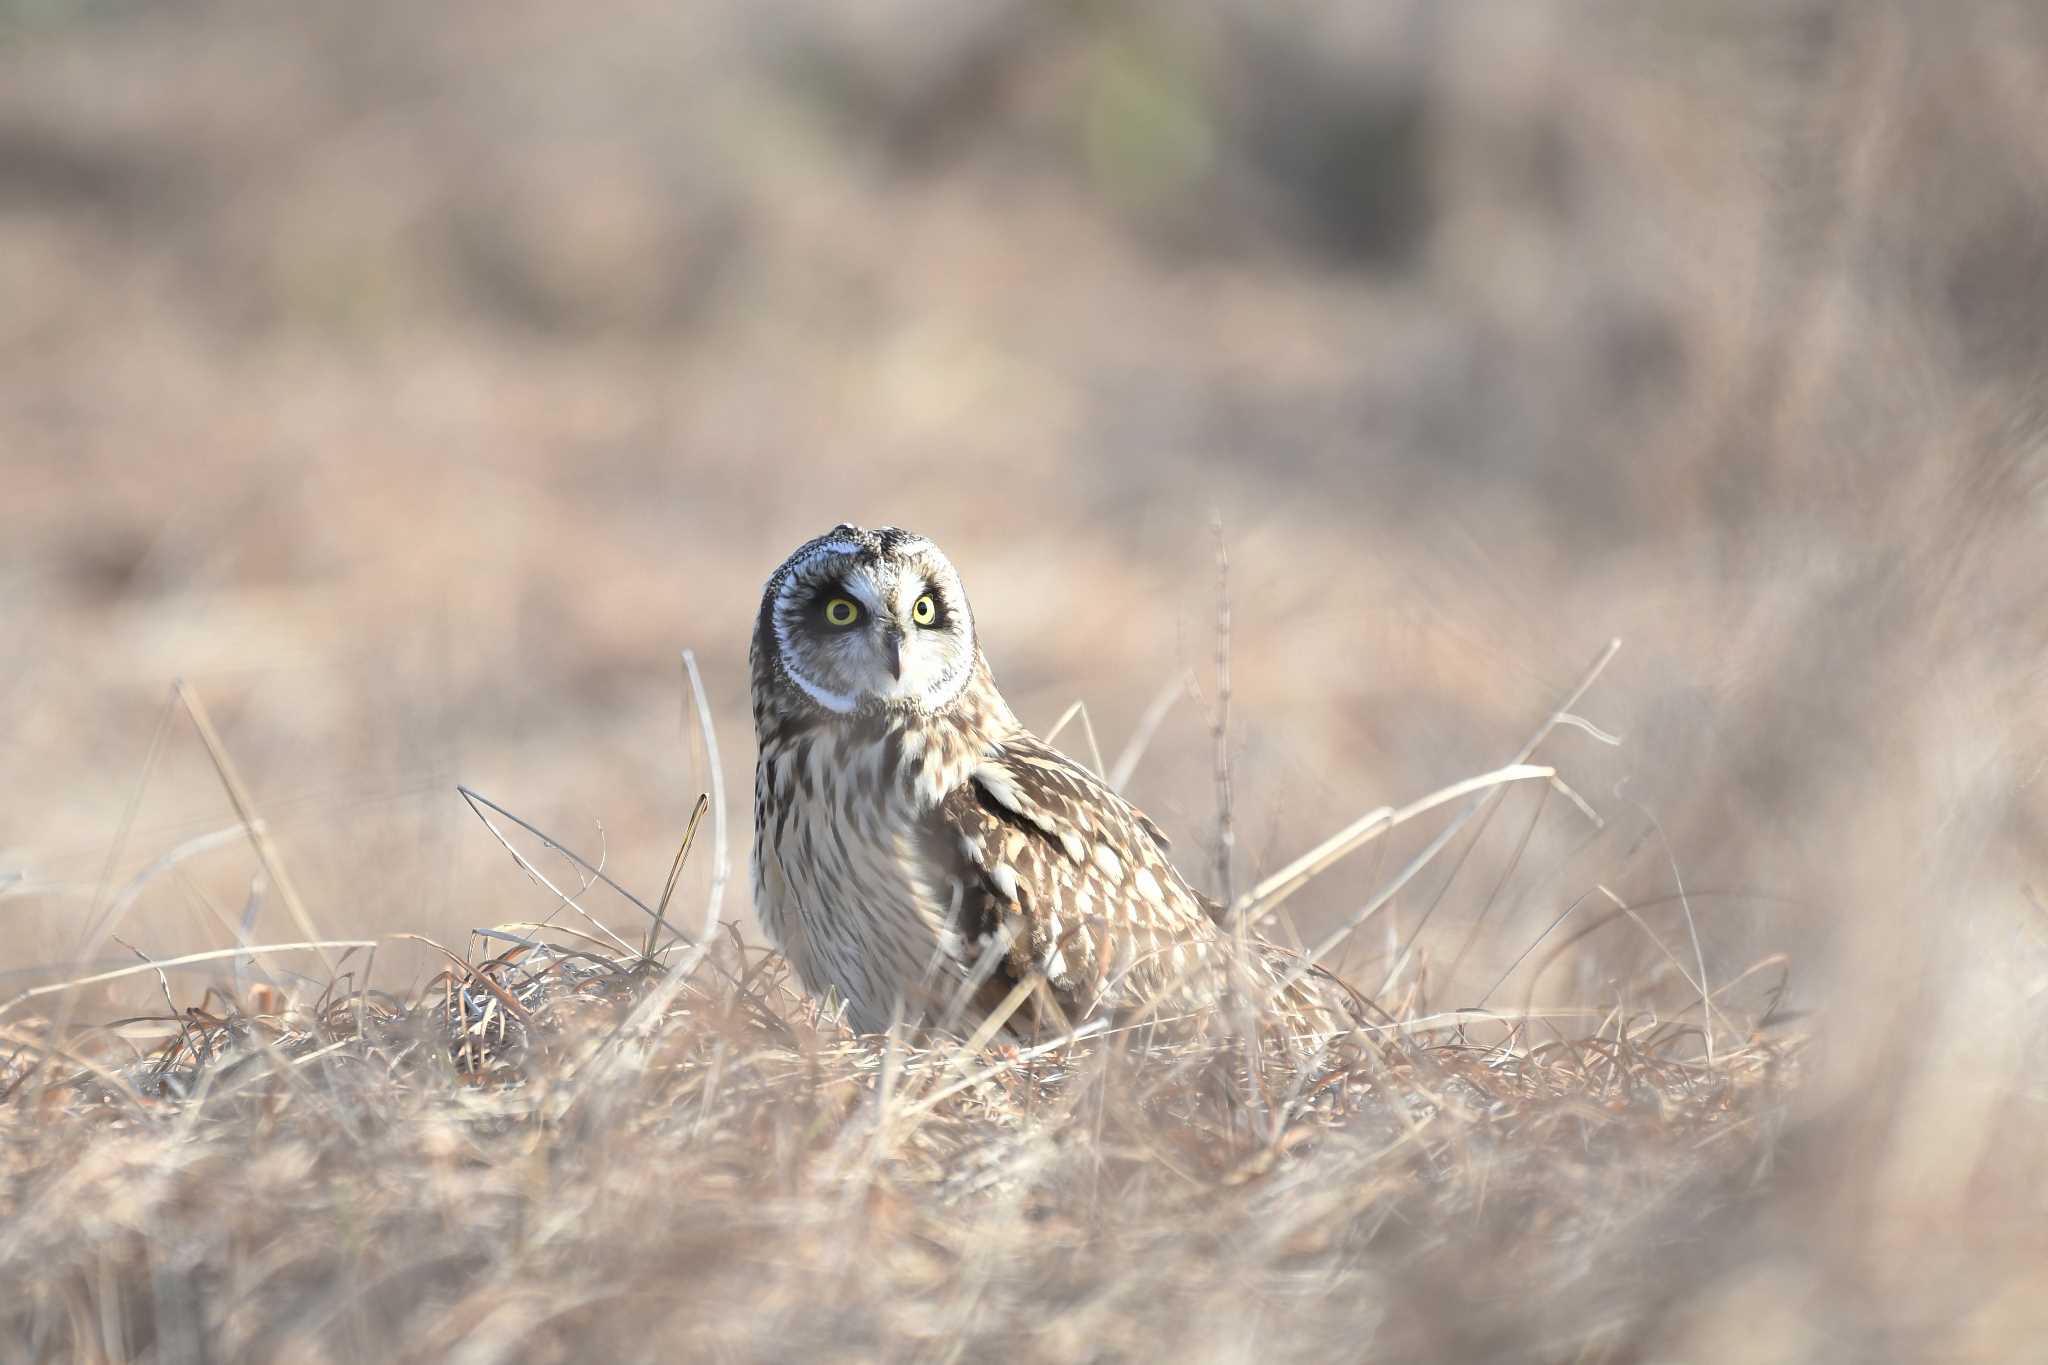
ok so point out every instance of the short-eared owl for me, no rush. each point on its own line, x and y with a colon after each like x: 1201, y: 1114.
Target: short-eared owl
x: 922, y: 854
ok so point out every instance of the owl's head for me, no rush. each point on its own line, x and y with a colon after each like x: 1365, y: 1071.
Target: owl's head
x: 863, y: 621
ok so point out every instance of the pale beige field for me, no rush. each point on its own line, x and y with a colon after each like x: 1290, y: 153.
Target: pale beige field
x: 416, y: 384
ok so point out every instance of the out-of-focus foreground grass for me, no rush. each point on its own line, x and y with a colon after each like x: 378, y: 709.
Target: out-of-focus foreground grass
x: 413, y: 383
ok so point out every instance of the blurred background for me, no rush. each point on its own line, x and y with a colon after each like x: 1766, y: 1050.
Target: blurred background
x: 416, y: 382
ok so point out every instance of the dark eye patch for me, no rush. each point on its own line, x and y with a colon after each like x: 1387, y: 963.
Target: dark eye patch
x: 818, y: 609
x: 942, y: 612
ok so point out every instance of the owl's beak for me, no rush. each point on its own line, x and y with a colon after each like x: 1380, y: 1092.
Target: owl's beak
x: 894, y: 640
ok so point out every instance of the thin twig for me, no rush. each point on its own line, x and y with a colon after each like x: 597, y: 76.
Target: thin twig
x: 1226, y: 826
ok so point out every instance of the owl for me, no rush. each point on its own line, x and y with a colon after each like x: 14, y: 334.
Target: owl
x: 920, y: 855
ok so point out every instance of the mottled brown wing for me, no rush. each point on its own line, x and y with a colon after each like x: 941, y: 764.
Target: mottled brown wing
x: 1077, y: 876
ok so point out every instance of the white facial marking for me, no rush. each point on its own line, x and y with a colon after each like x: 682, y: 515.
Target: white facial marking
x: 861, y: 583
x: 838, y: 702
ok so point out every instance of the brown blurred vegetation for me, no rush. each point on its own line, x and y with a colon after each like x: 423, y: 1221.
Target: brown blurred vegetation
x: 415, y: 382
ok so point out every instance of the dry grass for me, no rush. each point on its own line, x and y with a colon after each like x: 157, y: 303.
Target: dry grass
x: 565, y: 1153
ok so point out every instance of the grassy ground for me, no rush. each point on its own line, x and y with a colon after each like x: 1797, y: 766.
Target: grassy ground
x: 566, y: 1152
x: 414, y: 383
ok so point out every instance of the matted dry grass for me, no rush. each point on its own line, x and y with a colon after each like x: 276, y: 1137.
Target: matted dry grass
x: 564, y: 1154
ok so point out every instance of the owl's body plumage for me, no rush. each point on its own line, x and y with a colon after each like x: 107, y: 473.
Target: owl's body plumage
x: 919, y: 853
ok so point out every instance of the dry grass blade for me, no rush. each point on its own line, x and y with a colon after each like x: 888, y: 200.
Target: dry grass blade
x: 689, y: 841
x: 675, y: 872
x: 1079, y: 708
x: 719, y: 864
x: 1266, y: 897
x: 245, y: 809
x: 117, y: 909
x: 1692, y: 928
x: 596, y: 873
x: 321, y: 946
x: 470, y: 973
x: 1154, y: 716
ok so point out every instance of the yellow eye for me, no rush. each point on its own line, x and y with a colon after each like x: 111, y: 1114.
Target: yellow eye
x: 924, y: 611
x: 841, y: 611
